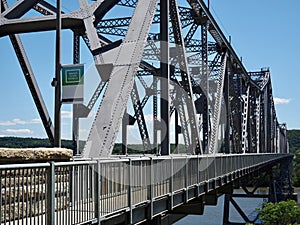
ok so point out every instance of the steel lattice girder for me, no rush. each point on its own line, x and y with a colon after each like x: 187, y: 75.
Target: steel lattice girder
x: 90, y: 18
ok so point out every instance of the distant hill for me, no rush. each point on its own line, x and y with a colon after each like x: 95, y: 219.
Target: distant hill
x: 17, y: 142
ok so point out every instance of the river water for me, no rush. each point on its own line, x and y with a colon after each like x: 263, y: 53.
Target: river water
x: 213, y: 215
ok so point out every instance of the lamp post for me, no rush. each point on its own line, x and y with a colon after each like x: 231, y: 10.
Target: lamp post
x: 57, y: 83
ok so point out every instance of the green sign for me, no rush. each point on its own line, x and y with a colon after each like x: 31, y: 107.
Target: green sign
x: 72, y: 75
x: 72, y: 83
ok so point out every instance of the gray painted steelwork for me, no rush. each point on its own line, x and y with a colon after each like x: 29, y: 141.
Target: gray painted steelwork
x: 104, y: 130
x: 193, y: 69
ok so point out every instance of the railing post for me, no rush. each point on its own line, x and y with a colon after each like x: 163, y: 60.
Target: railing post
x: 150, y: 188
x: 207, y: 169
x: 171, y: 184
x: 130, y: 190
x: 97, y: 191
x: 186, y: 179
x: 50, y: 210
x: 215, y: 167
x: 198, y: 175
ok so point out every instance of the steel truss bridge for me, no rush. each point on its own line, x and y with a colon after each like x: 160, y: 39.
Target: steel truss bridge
x: 165, y: 59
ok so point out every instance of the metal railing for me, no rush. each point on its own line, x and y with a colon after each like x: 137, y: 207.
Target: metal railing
x: 89, y: 191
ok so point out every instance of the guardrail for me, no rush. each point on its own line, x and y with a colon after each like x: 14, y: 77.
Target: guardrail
x: 90, y: 191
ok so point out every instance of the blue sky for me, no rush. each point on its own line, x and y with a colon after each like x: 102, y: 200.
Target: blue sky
x: 265, y: 33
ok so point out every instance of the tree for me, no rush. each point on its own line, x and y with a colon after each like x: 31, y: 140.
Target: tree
x: 294, y: 140
x: 296, y: 173
x: 280, y: 213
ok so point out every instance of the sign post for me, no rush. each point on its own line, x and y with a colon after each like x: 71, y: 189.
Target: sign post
x: 57, y: 80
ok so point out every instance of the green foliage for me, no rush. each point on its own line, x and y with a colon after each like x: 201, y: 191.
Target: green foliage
x: 294, y: 144
x: 296, y: 173
x: 17, y: 142
x: 294, y: 140
x: 281, y: 213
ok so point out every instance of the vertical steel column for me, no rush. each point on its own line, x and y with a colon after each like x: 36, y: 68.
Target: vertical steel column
x: 176, y: 150
x: 226, y: 209
x: 125, y: 122
x: 240, y: 115
x: 164, y: 83
x: 76, y: 60
x: 267, y: 120
x: 258, y: 130
x: 286, y: 146
x: 262, y: 122
x: 57, y: 104
x: 228, y: 111
x: 277, y: 139
x: 155, y: 128
x: 251, y: 120
x: 205, y: 87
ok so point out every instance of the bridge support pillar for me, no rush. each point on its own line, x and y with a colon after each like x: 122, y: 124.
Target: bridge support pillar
x: 230, y: 200
x: 276, y: 178
x: 281, y: 185
x: 211, y: 198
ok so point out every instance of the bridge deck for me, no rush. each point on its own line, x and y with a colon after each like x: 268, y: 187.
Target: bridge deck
x: 135, y: 189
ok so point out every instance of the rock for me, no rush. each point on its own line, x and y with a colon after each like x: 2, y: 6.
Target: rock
x: 20, y: 155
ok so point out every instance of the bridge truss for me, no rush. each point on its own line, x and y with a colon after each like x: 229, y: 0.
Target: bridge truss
x: 167, y: 56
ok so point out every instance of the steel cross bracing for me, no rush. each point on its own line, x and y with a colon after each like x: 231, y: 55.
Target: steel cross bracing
x: 31, y: 81
x: 207, y: 78
x: 185, y: 76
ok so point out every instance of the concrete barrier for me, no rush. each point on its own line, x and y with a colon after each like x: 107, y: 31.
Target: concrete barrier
x: 26, y: 155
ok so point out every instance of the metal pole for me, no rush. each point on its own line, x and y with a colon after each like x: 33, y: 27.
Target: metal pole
x: 57, y: 104
x: 155, y: 127
x: 98, y: 192
x: 205, y: 75
x: 125, y: 122
x: 164, y: 84
x: 176, y: 150
x: 76, y: 60
x: 75, y: 132
x: 50, y: 210
x: 227, y: 104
